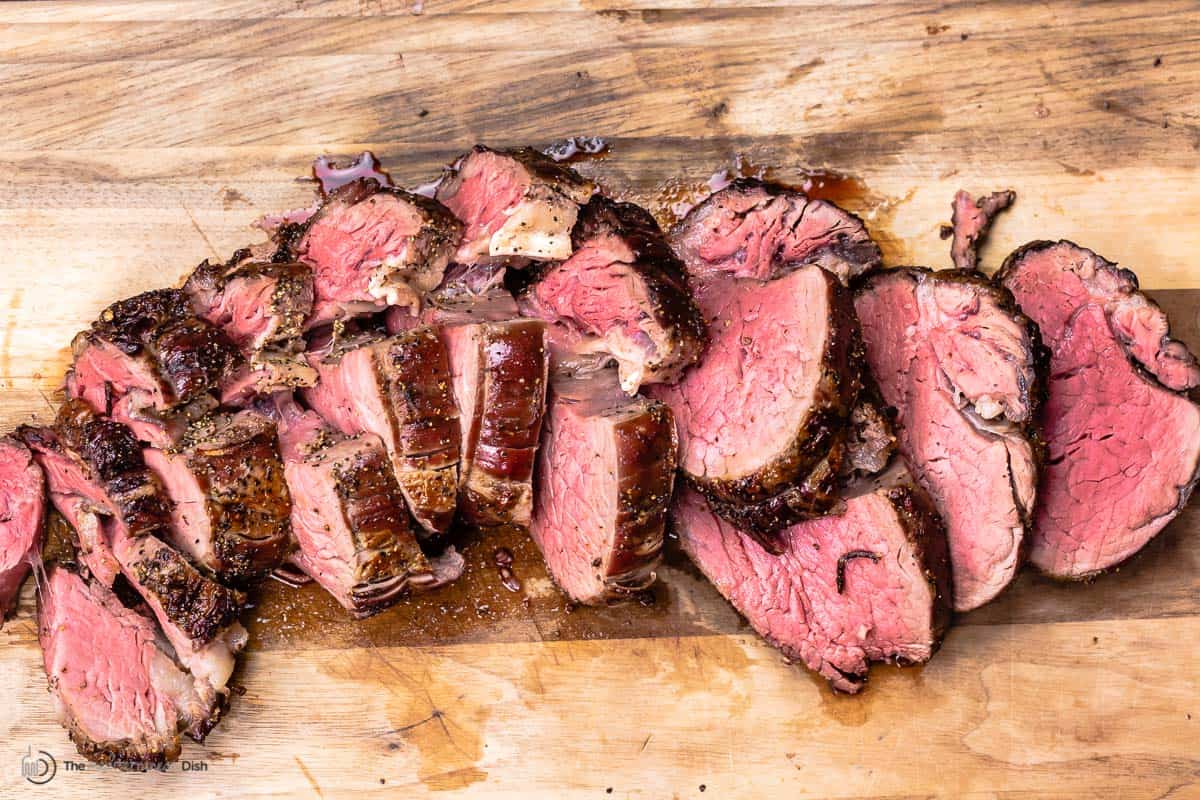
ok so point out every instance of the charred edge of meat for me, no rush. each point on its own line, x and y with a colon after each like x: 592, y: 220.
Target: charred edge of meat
x: 125, y: 757
x: 834, y: 400
x: 1014, y: 259
x: 867, y: 254
x: 200, y: 607
x: 870, y: 437
x: 964, y: 250
x: 817, y: 495
x: 927, y: 531
x: 1034, y: 396
x: 850, y: 556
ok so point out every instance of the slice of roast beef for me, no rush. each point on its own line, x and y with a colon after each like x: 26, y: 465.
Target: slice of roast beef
x: 623, y: 294
x: 354, y: 534
x: 964, y: 370
x: 761, y: 419
x: 120, y: 694
x: 261, y: 306
x: 752, y: 229
x: 499, y: 372
x: 466, y: 295
x: 1123, y: 436
x: 398, y: 388
x: 230, y: 503
x: 604, y: 478
x: 867, y: 583
x: 970, y: 223
x: 513, y: 203
x: 150, y: 363
x: 22, y: 519
x: 371, y: 246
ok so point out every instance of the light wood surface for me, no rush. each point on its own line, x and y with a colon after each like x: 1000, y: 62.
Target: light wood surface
x: 139, y: 137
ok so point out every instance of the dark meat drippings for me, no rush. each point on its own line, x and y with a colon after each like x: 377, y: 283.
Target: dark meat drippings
x: 503, y: 558
x: 841, y: 566
x: 331, y: 174
x: 577, y: 147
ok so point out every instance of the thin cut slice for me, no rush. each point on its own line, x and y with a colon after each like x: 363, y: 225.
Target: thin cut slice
x: 622, y: 294
x: 371, y: 246
x: 964, y: 370
x: 1123, y: 435
x: 399, y: 389
x: 869, y: 583
x: 512, y: 203
x: 762, y: 417
x: 354, y: 534
x: 604, y: 479
x: 119, y: 692
x: 230, y: 501
x: 22, y: 519
x: 752, y: 229
x: 970, y: 223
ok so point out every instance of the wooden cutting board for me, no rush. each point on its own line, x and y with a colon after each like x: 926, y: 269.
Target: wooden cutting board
x: 138, y: 137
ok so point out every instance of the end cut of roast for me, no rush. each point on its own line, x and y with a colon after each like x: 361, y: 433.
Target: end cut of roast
x: 964, y: 369
x: 1123, y: 437
x: 602, y: 488
x: 622, y: 295
x: 120, y: 694
x: 22, y: 519
x: 514, y: 204
x: 867, y: 583
x: 970, y: 223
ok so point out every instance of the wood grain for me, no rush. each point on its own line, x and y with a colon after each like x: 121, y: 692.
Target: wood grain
x: 142, y: 136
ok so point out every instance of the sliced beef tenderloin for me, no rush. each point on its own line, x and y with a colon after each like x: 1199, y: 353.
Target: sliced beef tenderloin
x: 513, y: 203
x: 371, y: 246
x: 762, y: 418
x: 867, y: 583
x: 1123, y: 437
x: 230, y: 503
x: 964, y: 369
x: 499, y: 372
x: 622, y: 294
x: 970, y: 223
x: 150, y: 363
x: 261, y: 306
x: 354, y: 534
x: 602, y: 488
x: 398, y: 388
x: 752, y: 229
x: 120, y: 694
x: 22, y: 519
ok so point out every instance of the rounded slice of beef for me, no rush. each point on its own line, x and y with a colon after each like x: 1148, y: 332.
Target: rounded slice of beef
x: 869, y: 582
x: 22, y: 519
x: 602, y: 487
x: 1123, y: 437
x: 622, y: 294
x: 772, y: 394
x: 963, y: 368
x: 753, y: 229
x: 371, y: 246
x: 515, y: 205
x: 121, y: 696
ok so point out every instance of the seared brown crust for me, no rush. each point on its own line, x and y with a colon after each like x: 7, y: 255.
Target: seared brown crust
x: 199, y: 607
x: 795, y: 485
x: 124, y: 754
x: 647, y: 442
x: 291, y: 301
x: 928, y: 537
x: 964, y: 249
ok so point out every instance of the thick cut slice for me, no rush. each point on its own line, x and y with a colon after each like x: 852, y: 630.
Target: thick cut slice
x: 230, y: 501
x: 761, y: 419
x: 604, y: 478
x: 964, y: 369
x: 513, y: 203
x: 752, y: 229
x: 868, y: 583
x: 499, y: 372
x: 622, y: 294
x: 119, y: 692
x: 22, y: 519
x: 371, y: 246
x: 399, y: 389
x: 354, y: 534
x: 150, y: 363
x: 1122, y: 435
x: 970, y: 223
